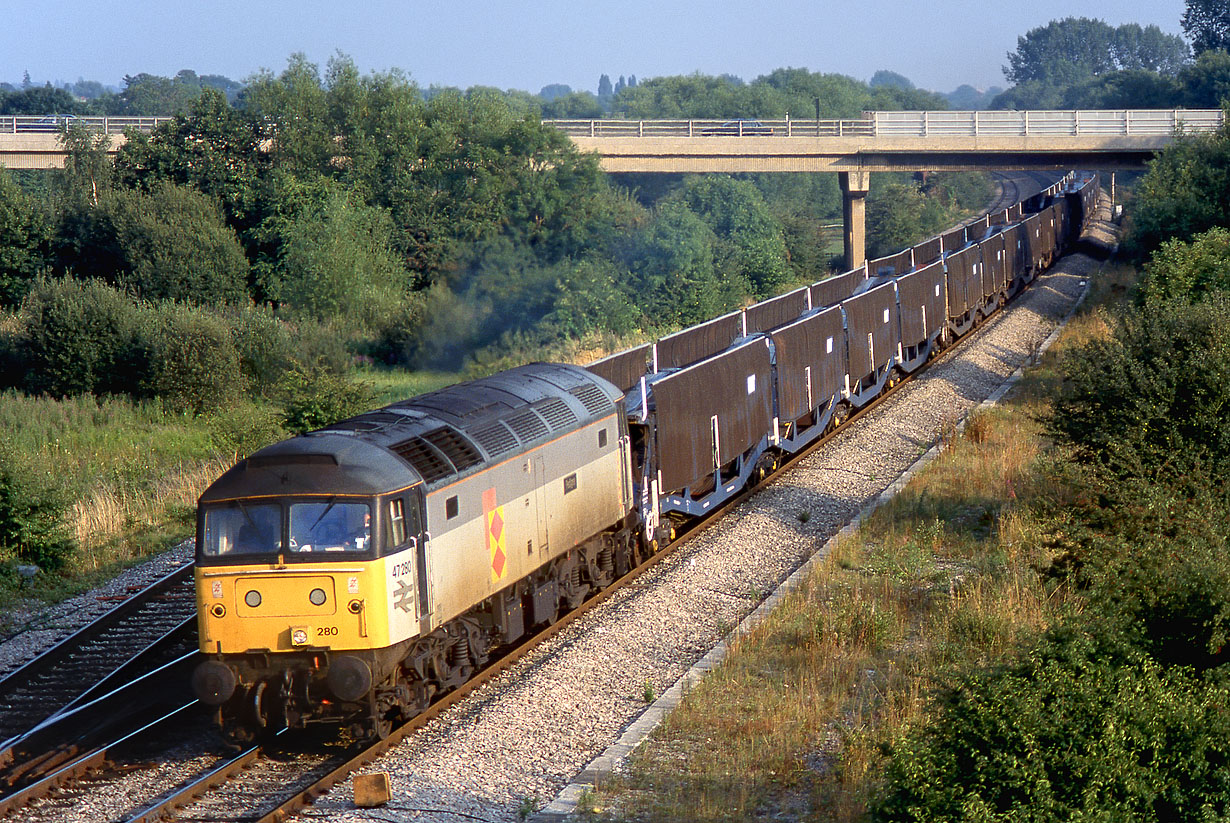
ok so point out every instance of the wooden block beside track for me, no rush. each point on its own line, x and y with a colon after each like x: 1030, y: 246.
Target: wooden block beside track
x: 372, y: 790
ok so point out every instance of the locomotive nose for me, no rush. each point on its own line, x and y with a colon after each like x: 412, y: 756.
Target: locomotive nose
x: 213, y: 683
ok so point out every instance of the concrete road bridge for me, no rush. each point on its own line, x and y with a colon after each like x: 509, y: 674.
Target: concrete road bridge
x: 877, y: 142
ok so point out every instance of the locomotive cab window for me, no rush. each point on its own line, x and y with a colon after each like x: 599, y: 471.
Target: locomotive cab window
x: 601, y: 438
x: 239, y: 529
x: 330, y: 526
x: 402, y: 523
x: 451, y: 508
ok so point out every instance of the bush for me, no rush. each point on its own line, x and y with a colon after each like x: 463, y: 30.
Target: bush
x: 1153, y: 397
x: 1191, y: 270
x: 32, y: 509
x: 1075, y: 731
x: 316, y: 397
x: 82, y: 337
x: 242, y: 428
x: 265, y: 346
x: 193, y: 365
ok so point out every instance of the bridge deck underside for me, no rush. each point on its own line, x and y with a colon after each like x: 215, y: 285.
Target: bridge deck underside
x: 769, y: 154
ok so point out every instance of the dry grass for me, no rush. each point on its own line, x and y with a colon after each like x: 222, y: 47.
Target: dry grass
x: 114, y: 510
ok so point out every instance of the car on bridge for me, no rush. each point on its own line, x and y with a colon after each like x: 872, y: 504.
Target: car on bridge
x: 50, y: 123
x: 738, y: 128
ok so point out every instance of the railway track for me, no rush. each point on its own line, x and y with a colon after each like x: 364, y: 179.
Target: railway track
x: 266, y: 783
x: 147, y: 630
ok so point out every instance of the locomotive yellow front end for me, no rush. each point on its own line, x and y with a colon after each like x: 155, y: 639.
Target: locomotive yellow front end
x: 306, y: 599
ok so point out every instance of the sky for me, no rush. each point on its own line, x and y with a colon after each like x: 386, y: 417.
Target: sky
x: 939, y: 44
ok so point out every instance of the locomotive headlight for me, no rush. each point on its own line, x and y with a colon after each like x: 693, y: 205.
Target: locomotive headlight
x: 299, y: 637
x: 252, y: 598
x: 317, y: 596
x: 217, y: 610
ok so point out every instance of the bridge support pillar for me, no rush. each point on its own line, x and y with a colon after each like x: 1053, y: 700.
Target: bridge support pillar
x: 854, y: 185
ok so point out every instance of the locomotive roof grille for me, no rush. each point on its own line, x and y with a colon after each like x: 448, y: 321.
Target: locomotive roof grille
x: 527, y: 426
x: 496, y: 438
x: 592, y: 398
x: 427, y: 460
x: 459, y: 451
x: 557, y: 414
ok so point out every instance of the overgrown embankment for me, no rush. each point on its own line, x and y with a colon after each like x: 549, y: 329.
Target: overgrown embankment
x: 1035, y: 628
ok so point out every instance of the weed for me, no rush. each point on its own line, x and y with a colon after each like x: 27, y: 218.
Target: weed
x: 803, y: 516
x: 647, y: 691
x: 527, y: 807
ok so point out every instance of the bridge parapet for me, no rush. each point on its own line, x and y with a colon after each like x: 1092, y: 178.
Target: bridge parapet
x: 1059, y: 123
x: 51, y: 123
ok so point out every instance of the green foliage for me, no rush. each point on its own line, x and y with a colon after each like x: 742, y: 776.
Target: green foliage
x: 1186, y: 191
x: 1153, y: 397
x: 335, y: 257
x: 1074, y: 731
x: 1189, y: 270
x: 1131, y: 88
x: 192, y: 365
x: 1207, y: 25
x: 752, y: 242
x: 32, y: 508
x: 38, y: 100
x: 1067, y: 51
x: 175, y: 245
x: 213, y: 148
x: 241, y: 428
x: 82, y: 337
x: 315, y: 397
x: 265, y: 345
x: 25, y: 240
x: 673, y: 271
x: 1206, y: 82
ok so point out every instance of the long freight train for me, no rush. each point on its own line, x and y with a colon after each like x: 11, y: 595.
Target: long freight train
x: 349, y: 574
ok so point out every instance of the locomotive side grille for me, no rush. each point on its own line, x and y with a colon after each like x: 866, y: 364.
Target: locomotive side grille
x: 426, y: 460
x: 528, y: 426
x: 557, y: 414
x: 459, y: 450
x: 496, y: 439
x: 592, y: 398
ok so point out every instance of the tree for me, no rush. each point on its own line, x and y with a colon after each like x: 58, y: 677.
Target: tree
x: 1067, y: 51
x: 1151, y: 400
x: 1206, y: 82
x: 1190, y: 270
x: 1207, y: 24
x: 213, y: 148
x: 25, y: 241
x: 1186, y: 191
x: 751, y: 237
x: 605, y: 90
x: 554, y: 90
x: 39, y: 100
x: 884, y: 77
x: 1135, y: 88
x: 176, y: 246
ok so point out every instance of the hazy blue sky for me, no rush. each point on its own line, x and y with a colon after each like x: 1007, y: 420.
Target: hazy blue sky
x: 939, y: 44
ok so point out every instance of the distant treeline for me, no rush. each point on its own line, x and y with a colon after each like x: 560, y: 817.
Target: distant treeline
x: 363, y: 217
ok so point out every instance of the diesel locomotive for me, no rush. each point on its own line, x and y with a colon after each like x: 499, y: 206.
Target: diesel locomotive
x: 350, y: 574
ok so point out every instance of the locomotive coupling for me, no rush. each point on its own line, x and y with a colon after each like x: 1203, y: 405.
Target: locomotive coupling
x: 213, y: 683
